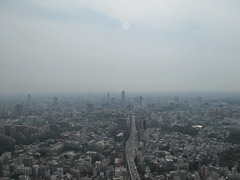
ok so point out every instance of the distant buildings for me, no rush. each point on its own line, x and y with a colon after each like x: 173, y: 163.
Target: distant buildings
x: 123, y: 100
x: 55, y: 101
x: 87, y: 139
x: 19, y: 109
x: 29, y: 99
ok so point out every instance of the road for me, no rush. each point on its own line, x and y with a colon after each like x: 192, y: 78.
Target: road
x: 131, y: 150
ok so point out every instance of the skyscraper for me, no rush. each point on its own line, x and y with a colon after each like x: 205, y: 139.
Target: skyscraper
x: 140, y: 100
x: 29, y: 99
x: 55, y: 101
x: 60, y: 173
x: 123, y: 98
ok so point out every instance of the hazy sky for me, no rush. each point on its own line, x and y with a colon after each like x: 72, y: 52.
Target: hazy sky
x: 111, y: 45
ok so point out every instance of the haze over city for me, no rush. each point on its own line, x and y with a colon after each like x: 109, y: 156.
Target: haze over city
x: 110, y: 45
x: 119, y: 90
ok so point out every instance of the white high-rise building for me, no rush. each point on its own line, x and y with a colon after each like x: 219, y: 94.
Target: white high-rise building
x: 60, y: 173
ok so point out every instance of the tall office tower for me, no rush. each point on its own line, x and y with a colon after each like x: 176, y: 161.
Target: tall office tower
x: 55, y: 101
x: 29, y: 98
x: 235, y: 174
x: 60, y: 173
x: 35, y: 170
x: 140, y: 100
x: 108, y: 95
x: 123, y: 98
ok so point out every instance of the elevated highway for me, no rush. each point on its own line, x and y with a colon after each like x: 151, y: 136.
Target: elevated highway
x: 131, y: 150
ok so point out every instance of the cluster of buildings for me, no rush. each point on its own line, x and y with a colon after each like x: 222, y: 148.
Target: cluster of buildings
x: 174, y: 138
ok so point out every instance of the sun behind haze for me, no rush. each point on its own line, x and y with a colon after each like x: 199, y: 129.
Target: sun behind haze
x: 107, y: 45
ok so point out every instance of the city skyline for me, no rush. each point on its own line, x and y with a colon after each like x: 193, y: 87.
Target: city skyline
x: 148, y: 137
x: 107, y: 46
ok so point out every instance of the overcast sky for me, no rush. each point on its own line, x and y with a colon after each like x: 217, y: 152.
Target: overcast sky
x: 114, y: 45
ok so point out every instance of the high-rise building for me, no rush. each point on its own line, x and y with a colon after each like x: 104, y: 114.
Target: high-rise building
x: 29, y: 100
x: 235, y: 174
x: 140, y: 100
x: 60, y: 173
x: 35, y: 170
x: 123, y: 98
x: 55, y: 101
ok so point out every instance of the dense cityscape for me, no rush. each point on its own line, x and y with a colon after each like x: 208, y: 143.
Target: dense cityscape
x: 120, y: 136
x: 119, y: 90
